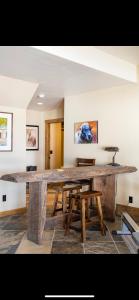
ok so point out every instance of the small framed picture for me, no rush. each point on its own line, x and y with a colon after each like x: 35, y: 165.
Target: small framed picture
x: 6, y: 131
x: 32, y: 137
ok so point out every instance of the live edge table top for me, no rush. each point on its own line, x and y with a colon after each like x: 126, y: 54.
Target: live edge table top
x: 68, y: 174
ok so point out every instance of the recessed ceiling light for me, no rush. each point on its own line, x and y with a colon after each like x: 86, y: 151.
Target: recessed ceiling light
x: 41, y: 95
x: 39, y: 103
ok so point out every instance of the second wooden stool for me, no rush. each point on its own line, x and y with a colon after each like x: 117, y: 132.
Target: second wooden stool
x: 84, y: 198
x: 64, y: 190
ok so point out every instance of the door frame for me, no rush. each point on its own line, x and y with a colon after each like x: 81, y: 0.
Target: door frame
x: 47, y: 139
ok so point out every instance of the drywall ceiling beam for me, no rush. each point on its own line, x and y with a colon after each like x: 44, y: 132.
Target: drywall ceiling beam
x: 94, y: 58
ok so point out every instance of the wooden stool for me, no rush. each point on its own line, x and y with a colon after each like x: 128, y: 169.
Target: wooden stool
x: 65, y: 190
x: 84, y: 198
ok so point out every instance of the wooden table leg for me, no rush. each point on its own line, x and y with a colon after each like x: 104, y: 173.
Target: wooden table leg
x: 106, y: 185
x: 37, y: 211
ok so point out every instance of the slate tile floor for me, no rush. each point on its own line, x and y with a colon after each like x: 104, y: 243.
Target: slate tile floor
x: 13, y: 229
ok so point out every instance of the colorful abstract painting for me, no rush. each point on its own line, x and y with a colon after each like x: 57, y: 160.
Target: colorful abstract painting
x: 86, y: 132
x: 3, y: 131
x: 6, y: 120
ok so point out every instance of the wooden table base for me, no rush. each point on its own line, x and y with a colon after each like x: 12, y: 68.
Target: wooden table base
x: 103, y: 180
x: 37, y: 211
x: 106, y: 185
x: 37, y: 220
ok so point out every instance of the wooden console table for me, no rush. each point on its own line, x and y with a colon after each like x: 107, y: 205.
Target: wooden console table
x: 103, y: 179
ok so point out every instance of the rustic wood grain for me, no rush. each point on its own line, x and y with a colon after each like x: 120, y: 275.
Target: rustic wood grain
x: 103, y: 180
x: 106, y: 185
x: 100, y: 213
x: 37, y: 211
x: 83, y: 231
x: 67, y: 174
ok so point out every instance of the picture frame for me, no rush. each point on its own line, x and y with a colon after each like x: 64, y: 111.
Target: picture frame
x: 6, y: 132
x: 32, y: 137
x: 86, y: 132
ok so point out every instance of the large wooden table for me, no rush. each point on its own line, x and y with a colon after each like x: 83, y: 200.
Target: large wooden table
x: 103, y: 179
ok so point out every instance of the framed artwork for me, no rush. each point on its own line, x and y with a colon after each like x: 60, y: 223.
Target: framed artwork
x: 86, y: 132
x: 6, y: 131
x: 32, y: 137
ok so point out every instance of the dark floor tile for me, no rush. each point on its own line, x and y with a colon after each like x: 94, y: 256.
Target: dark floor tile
x: 15, y: 226
x: 12, y: 249
x: 94, y: 227
x: 17, y: 217
x: 122, y: 248
x: 114, y: 225
x: 9, y: 238
x: 117, y: 238
x: 8, y: 250
x: 4, y: 221
x: 60, y: 247
x: 59, y: 225
x: 76, y: 236
x: 3, y: 251
x: 12, y: 229
x: 16, y: 223
x: 71, y: 236
x: 100, y: 248
x: 97, y: 236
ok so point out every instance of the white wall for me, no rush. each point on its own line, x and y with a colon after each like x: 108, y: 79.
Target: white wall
x: 14, y: 161
x: 15, y: 92
x: 33, y: 117
x: 14, y: 97
x: 19, y: 158
x: 117, y: 112
x: 55, y: 113
x: 36, y: 158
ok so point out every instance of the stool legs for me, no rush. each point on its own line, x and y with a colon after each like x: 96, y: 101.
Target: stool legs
x: 68, y: 219
x: 84, y: 203
x: 83, y: 230
x: 87, y: 210
x: 64, y: 201
x: 64, y: 205
x: 55, y: 203
x: 100, y: 213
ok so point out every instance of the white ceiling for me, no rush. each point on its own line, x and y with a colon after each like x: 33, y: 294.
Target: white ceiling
x: 57, y: 77
x: 128, y: 53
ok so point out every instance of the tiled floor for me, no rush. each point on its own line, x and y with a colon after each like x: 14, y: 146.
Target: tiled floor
x: 13, y: 239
